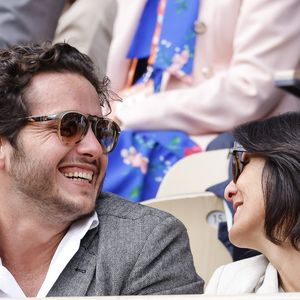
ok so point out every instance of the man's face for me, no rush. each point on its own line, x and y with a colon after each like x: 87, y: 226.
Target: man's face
x: 60, y: 181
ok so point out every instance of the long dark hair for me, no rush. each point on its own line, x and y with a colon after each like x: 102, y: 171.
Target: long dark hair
x: 277, y: 139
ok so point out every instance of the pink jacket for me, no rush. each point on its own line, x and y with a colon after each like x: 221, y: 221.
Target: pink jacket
x: 240, y: 45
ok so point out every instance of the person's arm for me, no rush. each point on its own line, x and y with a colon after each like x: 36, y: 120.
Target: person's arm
x: 266, y: 39
x: 165, y: 264
x: 28, y: 20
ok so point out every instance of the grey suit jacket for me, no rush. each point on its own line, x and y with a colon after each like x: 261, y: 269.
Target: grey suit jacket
x: 134, y: 250
x: 28, y: 20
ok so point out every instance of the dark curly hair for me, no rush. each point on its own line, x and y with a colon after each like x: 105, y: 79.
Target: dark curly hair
x: 277, y: 139
x: 20, y: 63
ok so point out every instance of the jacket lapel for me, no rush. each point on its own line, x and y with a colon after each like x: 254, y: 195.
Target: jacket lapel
x: 269, y: 282
x: 78, y: 274
x: 124, y: 29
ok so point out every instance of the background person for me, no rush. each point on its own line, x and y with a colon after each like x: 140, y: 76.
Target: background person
x: 88, y: 25
x: 23, y: 21
x: 265, y: 195
x: 60, y: 235
x: 198, y: 67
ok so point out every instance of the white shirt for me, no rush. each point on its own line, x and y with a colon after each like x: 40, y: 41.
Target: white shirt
x: 66, y: 249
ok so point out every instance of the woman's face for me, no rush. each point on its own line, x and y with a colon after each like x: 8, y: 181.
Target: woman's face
x: 247, y: 197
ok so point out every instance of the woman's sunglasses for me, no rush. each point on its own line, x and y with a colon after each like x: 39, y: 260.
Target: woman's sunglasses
x: 237, y: 163
x: 72, y: 127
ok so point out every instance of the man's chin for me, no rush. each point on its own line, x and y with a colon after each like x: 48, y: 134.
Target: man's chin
x: 85, y: 215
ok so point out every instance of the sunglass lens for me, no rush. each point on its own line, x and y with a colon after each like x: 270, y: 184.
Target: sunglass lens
x: 107, y: 134
x: 235, y: 168
x: 73, y: 127
x: 237, y: 165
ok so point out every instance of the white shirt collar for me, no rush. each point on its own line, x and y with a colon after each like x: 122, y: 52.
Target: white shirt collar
x: 66, y: 249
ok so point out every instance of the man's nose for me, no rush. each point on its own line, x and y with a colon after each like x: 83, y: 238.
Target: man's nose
x: 90, y: 146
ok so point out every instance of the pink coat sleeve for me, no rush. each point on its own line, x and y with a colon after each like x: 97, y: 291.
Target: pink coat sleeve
x: 265, y: 39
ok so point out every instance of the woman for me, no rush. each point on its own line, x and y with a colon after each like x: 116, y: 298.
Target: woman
x: 265, y: 193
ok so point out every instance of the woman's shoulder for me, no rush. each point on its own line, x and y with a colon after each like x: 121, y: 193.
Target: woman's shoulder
x: 238, y: 277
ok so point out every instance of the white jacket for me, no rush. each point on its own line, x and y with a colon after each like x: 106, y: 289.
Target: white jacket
x: 251, y: 275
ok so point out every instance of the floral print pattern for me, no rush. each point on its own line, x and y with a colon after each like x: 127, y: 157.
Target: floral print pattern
x: 141, y: 160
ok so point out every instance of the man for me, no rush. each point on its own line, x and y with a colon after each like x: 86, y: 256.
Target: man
x: 56, y: 239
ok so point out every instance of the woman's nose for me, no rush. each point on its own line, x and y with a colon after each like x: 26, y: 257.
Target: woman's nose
x: 230, y: 191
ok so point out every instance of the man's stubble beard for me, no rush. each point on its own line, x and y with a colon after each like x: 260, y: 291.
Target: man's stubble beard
x: 34, y: 180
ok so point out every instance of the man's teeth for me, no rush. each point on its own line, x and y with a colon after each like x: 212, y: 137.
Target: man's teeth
x: 80, y: 175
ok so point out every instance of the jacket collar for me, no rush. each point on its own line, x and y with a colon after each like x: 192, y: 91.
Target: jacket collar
x: 78, y: 274
x: 268, y: 283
